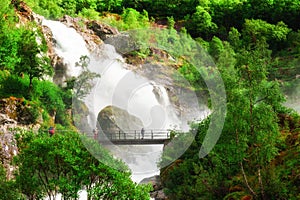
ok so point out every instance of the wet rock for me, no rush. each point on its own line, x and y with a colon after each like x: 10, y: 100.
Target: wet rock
x: 102, y: 30
x: 84, y: 29
x: 157, y: 193
x: 8, y: 145
x: 8, y: 149
x: 6, y: 123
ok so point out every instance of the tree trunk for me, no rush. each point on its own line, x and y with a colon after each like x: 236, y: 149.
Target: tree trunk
x: 246, y: 180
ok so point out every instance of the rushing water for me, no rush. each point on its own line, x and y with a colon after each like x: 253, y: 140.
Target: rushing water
x: 69, y: 45
x: 122, y: 88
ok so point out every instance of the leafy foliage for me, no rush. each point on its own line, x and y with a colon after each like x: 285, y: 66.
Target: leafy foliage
x: 33, y: 60
x: 8, y: 188
x: 84, y: 82
x: 62, y: 164
x: 242, y: 161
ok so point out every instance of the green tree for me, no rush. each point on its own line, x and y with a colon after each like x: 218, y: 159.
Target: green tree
x: 256, y: 30
x: 83, y: 84
x: 201, y: 23
x: 250, y: 137
x: 62, y: 164
x: 9, y: 36
x: 33, y: 60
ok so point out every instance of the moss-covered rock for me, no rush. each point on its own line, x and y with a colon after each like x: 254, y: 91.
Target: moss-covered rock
x: 112, y: 119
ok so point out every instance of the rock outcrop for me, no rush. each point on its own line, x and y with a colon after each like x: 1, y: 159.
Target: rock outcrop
x: 15, y: 114
x: 157, y: 193
x: 25, y: 13
x: 18, y: 110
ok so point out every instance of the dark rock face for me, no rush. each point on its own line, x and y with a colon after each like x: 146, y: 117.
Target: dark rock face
x: 103, y: 31
x: 157, y: 193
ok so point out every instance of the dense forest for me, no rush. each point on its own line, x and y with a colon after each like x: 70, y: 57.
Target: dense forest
x: 256, y: 47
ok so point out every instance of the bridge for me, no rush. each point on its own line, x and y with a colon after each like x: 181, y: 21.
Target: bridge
x: 135, y: 137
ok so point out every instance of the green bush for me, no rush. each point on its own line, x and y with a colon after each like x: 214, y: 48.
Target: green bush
x: 31, y: 113
x: 14, y: 86
x: 89, y: 13
x: 130, y: 19
x: 8, y: 189
x: 50, y: 97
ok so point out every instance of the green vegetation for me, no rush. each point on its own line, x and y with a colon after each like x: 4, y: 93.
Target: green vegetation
x: 250, y: 142
x: 62, y: 164
x: 48, y: 165
x: 255, y: 45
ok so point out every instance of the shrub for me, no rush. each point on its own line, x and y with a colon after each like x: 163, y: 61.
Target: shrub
x: 14, y: 86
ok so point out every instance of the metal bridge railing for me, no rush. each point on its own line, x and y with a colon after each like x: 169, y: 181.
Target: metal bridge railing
x: 136, y: 134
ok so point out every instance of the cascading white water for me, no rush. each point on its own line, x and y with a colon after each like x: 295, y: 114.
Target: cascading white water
x: 122, y: 88
x: 69, y: 45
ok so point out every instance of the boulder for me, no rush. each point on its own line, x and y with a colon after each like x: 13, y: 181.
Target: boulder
x: 112, y: 119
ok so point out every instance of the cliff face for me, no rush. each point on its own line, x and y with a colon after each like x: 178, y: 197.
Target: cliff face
x: 15, y: 114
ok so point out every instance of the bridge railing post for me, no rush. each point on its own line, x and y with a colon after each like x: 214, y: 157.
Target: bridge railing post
x: 167, y: 134
x: 134, y: 134
x: 119, y: 135
x: 152, y: 134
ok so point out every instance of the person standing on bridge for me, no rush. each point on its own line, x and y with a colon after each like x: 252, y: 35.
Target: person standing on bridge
x: 143, y: 133
x: 95, y: 131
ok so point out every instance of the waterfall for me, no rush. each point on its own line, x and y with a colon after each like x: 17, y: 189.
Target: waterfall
x: 122, y: 88
x: 125, y: 89
x: 69, y: 45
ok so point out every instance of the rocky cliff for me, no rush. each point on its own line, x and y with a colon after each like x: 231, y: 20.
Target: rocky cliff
x: 15, y: 114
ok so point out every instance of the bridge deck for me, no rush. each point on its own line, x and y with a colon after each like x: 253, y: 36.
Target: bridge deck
x: 134, y: 137
x: 138, y: 141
